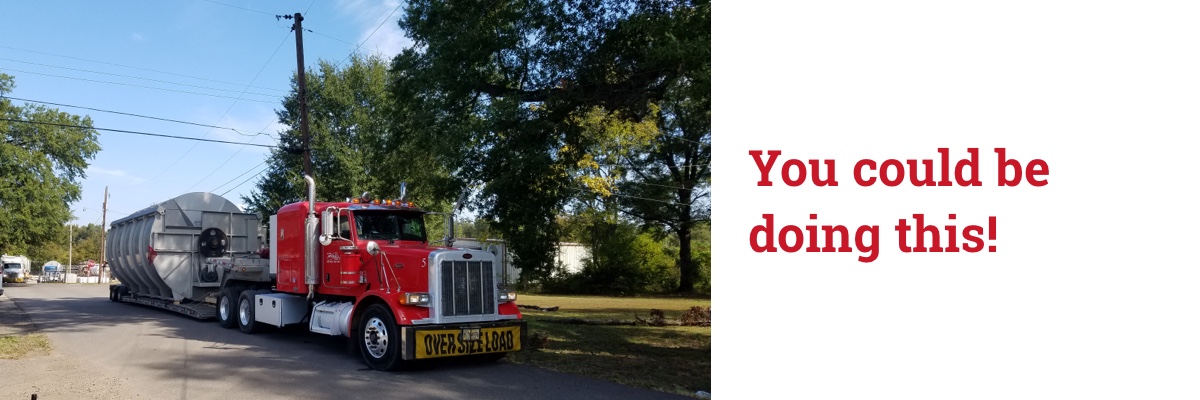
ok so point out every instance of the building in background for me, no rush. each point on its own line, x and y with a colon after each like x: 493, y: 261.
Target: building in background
x: 571, y: 256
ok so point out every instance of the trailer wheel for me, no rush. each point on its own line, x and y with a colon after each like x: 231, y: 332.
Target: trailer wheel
x: 245, y: 313
x: 227, y: 308
x: 379, y: 338
x: 112, y: 294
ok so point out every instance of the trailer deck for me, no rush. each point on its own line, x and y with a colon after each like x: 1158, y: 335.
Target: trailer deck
x: 200, y: 311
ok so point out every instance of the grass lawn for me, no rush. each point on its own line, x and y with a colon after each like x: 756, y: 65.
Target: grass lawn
x: 16, y: 346
x: 672, y: 359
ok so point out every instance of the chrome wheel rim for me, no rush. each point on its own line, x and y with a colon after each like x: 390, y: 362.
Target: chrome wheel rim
x: 223, y: 309
x: 375, y: 337
x: 244, y: 313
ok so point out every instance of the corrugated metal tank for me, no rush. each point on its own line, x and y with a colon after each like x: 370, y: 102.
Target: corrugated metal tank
x: 159, y: 251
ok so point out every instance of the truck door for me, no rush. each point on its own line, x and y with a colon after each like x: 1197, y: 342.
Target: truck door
x: 340, y: 264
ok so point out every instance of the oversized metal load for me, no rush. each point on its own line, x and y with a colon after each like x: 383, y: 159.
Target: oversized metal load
x: 159, y: 251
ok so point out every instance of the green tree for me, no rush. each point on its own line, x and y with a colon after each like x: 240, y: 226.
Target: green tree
x: 492, y: 94
x: 41, y: 164
x: 627, y: 261
x: 701, y: 254
x: 347, y: 129
x: 477, y: 229
x: 668, y: 184
x: 85, y: 245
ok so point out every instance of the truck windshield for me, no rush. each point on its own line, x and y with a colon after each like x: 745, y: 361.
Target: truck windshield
x: 389, y: 225
x: 12, y: 266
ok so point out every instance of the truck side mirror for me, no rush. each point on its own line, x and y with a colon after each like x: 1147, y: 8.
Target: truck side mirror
x: 327, y: 222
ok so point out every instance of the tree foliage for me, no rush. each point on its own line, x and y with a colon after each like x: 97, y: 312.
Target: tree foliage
x: 498, y: 96
x: 539, y: 109
x: 40, y: 170
x: 85, y: 245
x: 346, y: 130
x: 669, y: 182
x: 624, y: 260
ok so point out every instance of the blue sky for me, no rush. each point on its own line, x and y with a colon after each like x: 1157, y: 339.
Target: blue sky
x: 233, y: 59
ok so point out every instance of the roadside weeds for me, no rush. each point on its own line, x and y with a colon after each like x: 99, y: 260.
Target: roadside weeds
x: 18, y: 346
x: 654, y: 343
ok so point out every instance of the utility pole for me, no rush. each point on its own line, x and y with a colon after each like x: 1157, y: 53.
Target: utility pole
x: 300, y: 81
x: 103, y: 221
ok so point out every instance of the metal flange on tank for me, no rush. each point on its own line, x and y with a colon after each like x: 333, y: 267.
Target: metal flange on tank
x: 213, y: 243
x: 159, y: 251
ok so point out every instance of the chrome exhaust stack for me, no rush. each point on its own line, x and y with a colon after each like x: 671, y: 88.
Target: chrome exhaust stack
x: 310, y: 238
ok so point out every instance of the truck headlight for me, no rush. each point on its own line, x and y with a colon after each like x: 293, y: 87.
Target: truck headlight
x: 507, y: 296
x: 415, y: 299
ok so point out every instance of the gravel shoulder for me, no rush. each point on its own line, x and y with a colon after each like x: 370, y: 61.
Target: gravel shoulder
x: 49, y: 374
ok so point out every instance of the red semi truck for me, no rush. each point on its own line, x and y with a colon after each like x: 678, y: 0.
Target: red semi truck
x: 361, y: 268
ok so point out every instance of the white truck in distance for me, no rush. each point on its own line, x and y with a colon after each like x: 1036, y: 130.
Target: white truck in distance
x: 16, y: 268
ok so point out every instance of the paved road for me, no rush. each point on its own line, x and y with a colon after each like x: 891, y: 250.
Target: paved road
x: 161, y: 355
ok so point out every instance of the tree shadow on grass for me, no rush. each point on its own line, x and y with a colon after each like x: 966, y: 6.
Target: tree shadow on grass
x: 672, y: 359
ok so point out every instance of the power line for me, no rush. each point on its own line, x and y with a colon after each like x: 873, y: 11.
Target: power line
x: 244, y: 182
x: 136, y: 132
x: 624, y: 181
x: 669, y: 137
x: 218, y: 168
x: 618, y: 164
x: 134, y: 77
x: 139, y: 68
x: 133, y: 85
x: 665, y: 186
x: 385, y: 19
x: 239, y: 176
x: 260, y: 70
x: 331, y: 37
x: 239, y: 150
x: 630, y: 197
x: 97, y: 221
x: 139, y: 116
x: 227, y: 160
x: 238, y: 7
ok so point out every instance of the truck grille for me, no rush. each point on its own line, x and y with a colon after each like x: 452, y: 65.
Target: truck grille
x: 467, y: 288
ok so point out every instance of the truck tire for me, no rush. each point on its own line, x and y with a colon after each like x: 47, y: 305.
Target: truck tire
x: 227, y: 308
x: 379, y: 338
x: 116, y: 292
x: 245, y: 313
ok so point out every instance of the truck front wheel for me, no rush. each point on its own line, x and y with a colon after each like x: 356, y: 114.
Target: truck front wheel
x: 379, y: 338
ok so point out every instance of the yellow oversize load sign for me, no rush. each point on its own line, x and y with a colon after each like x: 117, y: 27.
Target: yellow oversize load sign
x: 458, y: 342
